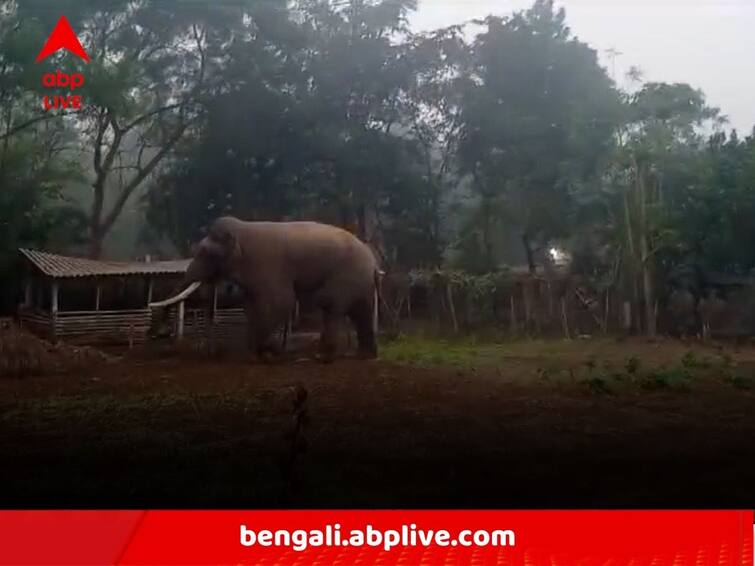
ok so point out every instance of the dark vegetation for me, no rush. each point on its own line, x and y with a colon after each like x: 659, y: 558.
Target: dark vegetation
x: 470, y: 147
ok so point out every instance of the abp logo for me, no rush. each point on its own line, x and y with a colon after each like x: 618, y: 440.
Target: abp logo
x: 62, y: 37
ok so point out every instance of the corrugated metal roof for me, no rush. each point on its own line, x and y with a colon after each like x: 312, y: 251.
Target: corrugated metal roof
x: 60, y: 266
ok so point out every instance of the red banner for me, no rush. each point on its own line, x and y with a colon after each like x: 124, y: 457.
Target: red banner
x: 657, y: 538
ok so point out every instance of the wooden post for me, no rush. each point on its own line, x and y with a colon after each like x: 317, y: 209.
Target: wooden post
x: 608, y: 308
x: 564, y: 318
x: 213, y: 309
x: 28, y: 296
x: 449, y: 295
x: 627, y: 322
x: 97, y: 298
x: 210, y: 324
x: 550, y: 300
x: 180, y: 321
x: 53, y: 308
x: 150, y: 290
x: 512, y: 320
x: 54, y: 298
x: 527, y: 306
x: 287, y: 330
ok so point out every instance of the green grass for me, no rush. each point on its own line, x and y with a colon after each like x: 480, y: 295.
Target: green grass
x: 601, y: 366
x: 678, y: 377
x: 740, y: 381
x: 428, y: 352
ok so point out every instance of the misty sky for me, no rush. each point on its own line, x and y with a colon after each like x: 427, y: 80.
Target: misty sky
x: 707, y: 43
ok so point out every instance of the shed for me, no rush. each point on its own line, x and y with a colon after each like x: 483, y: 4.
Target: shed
x: 90, y: 301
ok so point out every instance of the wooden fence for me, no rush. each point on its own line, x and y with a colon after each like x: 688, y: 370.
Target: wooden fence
x: 229, y: 324
x: 520, y: 304
x: 128, y: 326
x: 36, y: 321
x: 121, y: 327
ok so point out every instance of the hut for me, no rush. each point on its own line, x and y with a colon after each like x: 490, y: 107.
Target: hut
x: 93, y: 301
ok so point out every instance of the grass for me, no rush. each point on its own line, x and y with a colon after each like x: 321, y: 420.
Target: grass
x: 740, y: 381
x: 677, y: 377
x: 464, y: 353
x: 600, y: 366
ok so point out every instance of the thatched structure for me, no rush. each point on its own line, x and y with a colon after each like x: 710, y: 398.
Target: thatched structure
x: 93, y: 301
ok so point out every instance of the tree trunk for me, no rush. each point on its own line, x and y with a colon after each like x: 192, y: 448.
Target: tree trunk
x: 452, y: 308
x: 530, y: 253
x: 96, y: 239
x: 487, y: 242
x: 512, y: 319
x: 527, y: 306
x: 648, y: 290
x: 565, y: 318
x: 631, y: 265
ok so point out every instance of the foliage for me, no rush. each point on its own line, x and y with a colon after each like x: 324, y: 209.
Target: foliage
x: 445, y: 150
x: 539, y: 114
x: 304, y: 133
x: 34, y: 164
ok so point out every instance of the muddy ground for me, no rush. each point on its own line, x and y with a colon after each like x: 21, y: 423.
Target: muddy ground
x: 524, y: 425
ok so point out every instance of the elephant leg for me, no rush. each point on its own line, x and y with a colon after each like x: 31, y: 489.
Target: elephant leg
x: 329, y: 336
x: 361, y: 315
x: 263, y: 317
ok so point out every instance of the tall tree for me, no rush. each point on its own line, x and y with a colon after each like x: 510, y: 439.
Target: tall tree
x: 656, y: 159
x: 432, y: 113
x: 539, y: 116
x: 355, y: 78
x: 153, y: 62
x: 34, y: 164
x: 309, y: 130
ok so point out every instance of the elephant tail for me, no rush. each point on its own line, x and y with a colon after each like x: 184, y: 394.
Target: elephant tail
x: 378, y: 277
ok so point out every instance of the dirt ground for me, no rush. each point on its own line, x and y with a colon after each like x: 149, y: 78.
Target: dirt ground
x: 583, y: 424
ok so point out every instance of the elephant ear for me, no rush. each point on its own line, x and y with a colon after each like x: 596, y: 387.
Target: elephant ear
x: 222, y: 242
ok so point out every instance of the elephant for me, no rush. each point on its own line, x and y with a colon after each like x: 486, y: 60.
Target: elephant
x: 277, y: 263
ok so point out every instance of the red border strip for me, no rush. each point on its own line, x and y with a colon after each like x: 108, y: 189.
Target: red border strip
x: 674, y: 538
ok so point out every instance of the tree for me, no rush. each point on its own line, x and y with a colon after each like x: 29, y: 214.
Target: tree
x: 355, y: 77
x: 34, y: 165
x: 306, y: 131
x: 657, y: 158
x: 539, y: 116
x: 252, y: 145
x: 152, y: 64
x: 431, y: 106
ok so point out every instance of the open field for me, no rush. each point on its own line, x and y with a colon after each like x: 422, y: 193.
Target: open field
x: 587, y: 423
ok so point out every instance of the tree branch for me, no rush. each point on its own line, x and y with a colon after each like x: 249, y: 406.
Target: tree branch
x: 139, y: 177
x: 144, y: 117
x: 41, y: 118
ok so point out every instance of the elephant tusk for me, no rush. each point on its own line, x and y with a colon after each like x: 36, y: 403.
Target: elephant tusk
x: 183, y: 295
